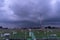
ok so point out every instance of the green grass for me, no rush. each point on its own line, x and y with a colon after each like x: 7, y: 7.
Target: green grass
x: 25, y: 33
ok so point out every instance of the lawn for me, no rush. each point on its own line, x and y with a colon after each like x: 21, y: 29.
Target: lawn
x: 25, y: 33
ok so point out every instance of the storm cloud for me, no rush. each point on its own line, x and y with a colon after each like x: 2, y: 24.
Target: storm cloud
x: 30, y: 10
x: 35, y: 9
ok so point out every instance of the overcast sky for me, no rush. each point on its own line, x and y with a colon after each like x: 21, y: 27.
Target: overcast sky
x: 31, y: 10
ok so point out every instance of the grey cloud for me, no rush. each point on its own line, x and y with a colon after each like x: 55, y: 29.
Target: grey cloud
x: 31, y: 9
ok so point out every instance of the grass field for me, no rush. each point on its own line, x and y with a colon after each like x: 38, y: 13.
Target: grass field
x: 25, y: 33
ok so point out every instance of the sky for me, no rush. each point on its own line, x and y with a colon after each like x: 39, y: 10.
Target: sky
x: 12, y: 12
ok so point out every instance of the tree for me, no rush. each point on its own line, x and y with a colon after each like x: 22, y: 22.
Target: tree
x: 49, y: 27
x: 1, y: 27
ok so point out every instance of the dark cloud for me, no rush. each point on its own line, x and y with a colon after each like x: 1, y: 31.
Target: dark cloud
x: 30, y: 10
x: 27, y: 11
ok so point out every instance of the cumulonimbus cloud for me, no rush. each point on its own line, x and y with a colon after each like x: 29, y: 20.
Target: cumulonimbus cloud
x: 32, y: 10
x: 35, y: 9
